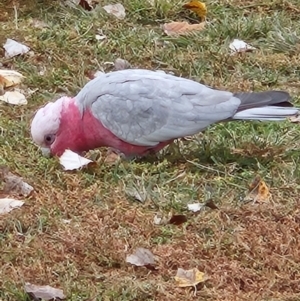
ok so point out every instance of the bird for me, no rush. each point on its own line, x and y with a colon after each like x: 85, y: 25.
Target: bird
x: 138, y: 111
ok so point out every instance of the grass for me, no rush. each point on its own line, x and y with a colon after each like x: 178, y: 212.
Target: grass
x: 75, y: 231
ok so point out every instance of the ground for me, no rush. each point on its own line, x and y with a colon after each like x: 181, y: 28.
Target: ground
x: 75, y: 230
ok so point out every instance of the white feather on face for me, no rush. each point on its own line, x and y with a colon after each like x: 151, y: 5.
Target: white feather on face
x: 46, y: 122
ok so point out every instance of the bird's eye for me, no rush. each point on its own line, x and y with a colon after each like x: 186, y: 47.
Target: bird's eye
x: 49, y: 139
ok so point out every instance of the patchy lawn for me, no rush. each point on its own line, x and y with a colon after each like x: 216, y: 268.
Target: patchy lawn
x: 75, y: 230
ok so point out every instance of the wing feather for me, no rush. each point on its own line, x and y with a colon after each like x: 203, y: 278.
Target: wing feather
x: 145, y: 107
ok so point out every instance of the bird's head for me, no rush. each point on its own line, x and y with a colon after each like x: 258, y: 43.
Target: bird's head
x: 45, y: 124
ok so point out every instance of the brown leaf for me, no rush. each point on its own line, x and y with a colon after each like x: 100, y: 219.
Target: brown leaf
x: 44, y: 292
x: 210, y: 204
x: 258, y: 191
x: 178, y: 219
x: 86, y: 4
x: 181, y: 28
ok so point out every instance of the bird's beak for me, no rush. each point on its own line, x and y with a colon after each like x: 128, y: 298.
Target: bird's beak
x: 46, y: 151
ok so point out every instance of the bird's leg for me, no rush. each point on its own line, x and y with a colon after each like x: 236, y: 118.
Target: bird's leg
x: 111, y: 150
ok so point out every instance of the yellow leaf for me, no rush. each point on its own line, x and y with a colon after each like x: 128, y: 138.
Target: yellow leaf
x: 197, y: 7
x: 9, y: 78
x: 185, y: 278
x: 182, y: 28
x: 258, y: 191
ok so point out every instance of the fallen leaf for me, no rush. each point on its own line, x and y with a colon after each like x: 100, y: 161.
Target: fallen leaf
x: 121, y: 64
x: 14, y: 48
x: 178, y: 219
x: 7, y: 205
x: 100, y: 37
x: 133, y: 192
x: 159, y: 219
x: 70, y: 160
x: 14, y: 98
x: 86, y: 4
x: 295, y: 119
x: 197, y: 7
x: 210, y: 204
x: 182, y: 28
x: 10, y: 78
x: 117, y: 10
x: 237, y: 46
x: 141, y: 257
x: 112, y: 158
x: 258, y: 191
x: 14, y: 183
x: 195, y: 207
x: 38, y: 23
x: 44, y: 292
x: 185, y: 278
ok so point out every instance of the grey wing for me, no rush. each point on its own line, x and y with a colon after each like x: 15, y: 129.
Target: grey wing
x: 144, y: 107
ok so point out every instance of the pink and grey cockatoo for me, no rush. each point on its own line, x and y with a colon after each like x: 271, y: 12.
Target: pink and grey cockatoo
x: 138, y: 111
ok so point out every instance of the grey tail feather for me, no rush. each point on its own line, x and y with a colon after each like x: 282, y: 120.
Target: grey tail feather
x: 260, y: 99
x: 268, y: 105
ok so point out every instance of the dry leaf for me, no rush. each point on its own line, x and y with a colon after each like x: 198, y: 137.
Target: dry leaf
x: 112, y: 158
x: 237, y: 46
x: 159, y: 219
x: 195, y: 207
x: 100, y: 37
x: 121, y: 64
x: 10, y: 78
x: 38, y: 23
x: 7, y: 205
x: 258, y: 191
x: 178, y: 219
x: 13, y: 183
x: 185, y: 278
x: 141, y: 257
x: 210, y: 204
x: 295, y: 119
x: 117, y: 10
x: 14, y: 98
x: 138, y: 195
x: 182, y: 28
x: 14, y: 48
x: 85, y: 4
x: 197, y: 7
x: 44, y: 292
x: 70, y: 160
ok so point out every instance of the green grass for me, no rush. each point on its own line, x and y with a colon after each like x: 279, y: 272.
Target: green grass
x: 249, y: 252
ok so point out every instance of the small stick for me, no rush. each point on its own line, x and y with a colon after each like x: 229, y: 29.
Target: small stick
x: 16, y: 15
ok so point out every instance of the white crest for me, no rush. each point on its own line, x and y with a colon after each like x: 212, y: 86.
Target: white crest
x: 47, y: 120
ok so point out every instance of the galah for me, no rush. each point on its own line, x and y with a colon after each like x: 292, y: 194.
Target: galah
x: 141, y: 111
